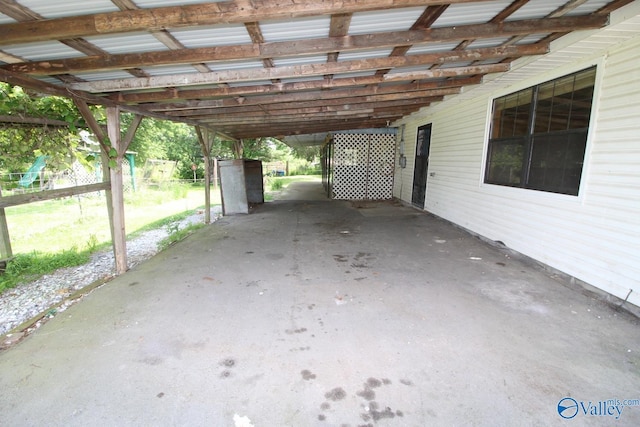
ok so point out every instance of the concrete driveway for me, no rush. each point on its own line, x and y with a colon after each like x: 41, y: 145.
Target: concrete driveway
x: 313, y: 312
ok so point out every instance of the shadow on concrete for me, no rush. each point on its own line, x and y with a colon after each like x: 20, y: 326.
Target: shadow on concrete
x: 320, y: 312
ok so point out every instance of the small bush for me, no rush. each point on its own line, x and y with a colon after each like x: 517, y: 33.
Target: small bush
x: 277, y: 184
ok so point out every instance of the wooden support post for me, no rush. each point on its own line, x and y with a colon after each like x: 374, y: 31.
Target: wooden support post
x: 5, y: 240
x: 206, y: 138
x: 101, y: 136
x: 115, y: 195
x: 238, y: 149
x: 215, y: 173
x: 117, y: 190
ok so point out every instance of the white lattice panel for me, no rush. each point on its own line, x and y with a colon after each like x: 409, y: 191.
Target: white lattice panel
x: 381, y: 167
x: 363, y: 166
x: 350, y: 166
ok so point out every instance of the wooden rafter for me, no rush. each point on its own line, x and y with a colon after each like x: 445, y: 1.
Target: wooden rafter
x: 307, y: 46
x: 250, y: 101
x: 163, y: 36
x: 191, y: 16
x: 23, y: 14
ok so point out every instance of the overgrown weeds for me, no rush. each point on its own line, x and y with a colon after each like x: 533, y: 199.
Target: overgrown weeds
x: 177, y: 234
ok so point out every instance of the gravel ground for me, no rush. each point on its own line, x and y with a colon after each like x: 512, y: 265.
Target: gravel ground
x: 29, y: 300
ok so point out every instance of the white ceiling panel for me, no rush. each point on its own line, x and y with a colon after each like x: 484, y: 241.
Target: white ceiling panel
x: 168, y: 70
x: 300, y: 60
x: 220, y: 35
x: 301, y: 28
x: 431, y: 48
x: 471, y: 13
x: 4, y: 19
x: 384, y: 21
x: 128, y: 43
x: 235, y: 65
x: 61, y: 8
x: 364, y: 54
x: 41, y: 51
x: 111, y: 75
x: 145, y: 4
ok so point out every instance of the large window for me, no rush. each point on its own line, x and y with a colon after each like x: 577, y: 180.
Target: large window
x: 538, y: 135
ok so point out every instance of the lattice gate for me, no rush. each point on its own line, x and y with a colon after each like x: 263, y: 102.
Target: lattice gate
x: 363, y: 166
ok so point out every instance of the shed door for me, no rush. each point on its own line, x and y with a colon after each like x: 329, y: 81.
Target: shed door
x: 421, y: 166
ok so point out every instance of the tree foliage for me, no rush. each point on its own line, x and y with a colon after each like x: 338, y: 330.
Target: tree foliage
x: 20, y: 144
x: 310, y: 153
x: 266, y: 149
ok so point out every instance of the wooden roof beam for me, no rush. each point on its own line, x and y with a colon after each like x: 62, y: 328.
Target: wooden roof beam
x: 260, y: 105
x: 307, y: 46
x: 238, y: 76
x: 320, y: 106
x: 162, y: 18
x: 283, y: 89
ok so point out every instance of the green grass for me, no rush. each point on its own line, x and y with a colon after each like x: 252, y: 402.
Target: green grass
x: 27, y: 267
x: 57, y: 225
x: 52, y: 234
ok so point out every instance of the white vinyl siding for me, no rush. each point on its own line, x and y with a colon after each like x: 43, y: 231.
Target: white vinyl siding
x: 595, y: 236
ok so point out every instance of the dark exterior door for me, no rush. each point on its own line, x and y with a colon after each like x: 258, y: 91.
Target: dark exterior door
x: 423, y: 141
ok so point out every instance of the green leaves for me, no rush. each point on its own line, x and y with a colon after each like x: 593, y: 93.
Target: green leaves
x: 19, y: 145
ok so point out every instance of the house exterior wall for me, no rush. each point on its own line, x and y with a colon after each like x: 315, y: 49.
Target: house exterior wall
x: 595, y: 236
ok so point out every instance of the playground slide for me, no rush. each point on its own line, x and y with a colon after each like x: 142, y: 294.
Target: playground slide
x: 33, y: 172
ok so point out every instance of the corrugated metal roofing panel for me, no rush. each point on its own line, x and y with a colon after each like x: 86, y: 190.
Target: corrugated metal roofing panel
x: 589, y: 7
x: 431, y: 48
x: 542, y: 8
x: 300, y: 60
x: 456, y: 64
x: 144, y: 4
x: 301, y: 79
x: 351, y: 75
x: 253, y: 83
x: 384, y: 20
x: 294, y: 29
x: 533, y: 38
x: 104, y: 76
x: 60, y: 8
x: 364, y: 54
x: 168, y: 70
x: 50, y: 80
x: 219, y: 35
x: 234, y: 65
x: 534, y: 9
x: 482, y: 43
x: 409, y: 69
x: 39, y: 51
x: 4, y: 19
x: 471, y: 13
x: 127, y: 43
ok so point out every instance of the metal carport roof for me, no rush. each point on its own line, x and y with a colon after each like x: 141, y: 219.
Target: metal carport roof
x: 251, y: 68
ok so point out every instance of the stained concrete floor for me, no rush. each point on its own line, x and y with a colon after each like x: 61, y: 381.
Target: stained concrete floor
x: 312, y: 312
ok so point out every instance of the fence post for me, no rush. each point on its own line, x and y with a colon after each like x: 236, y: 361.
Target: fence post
x: 5, y: 240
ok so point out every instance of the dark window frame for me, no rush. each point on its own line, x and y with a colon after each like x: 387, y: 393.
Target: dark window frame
x: 538, y: 135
